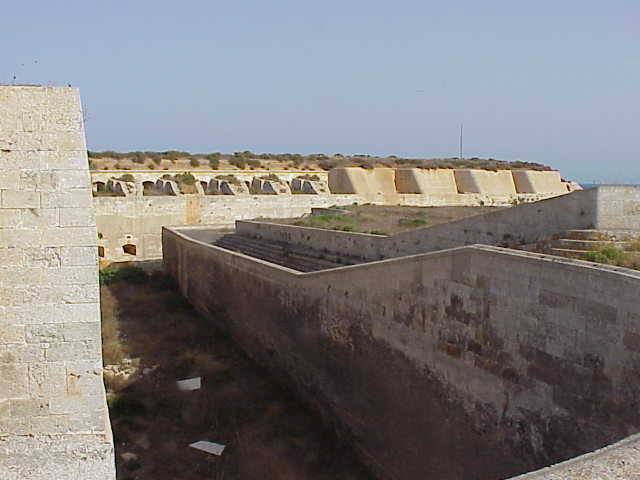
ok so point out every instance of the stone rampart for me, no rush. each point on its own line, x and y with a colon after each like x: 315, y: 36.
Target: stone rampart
x: 532, y: 181
x: 130, y: 222
x: 53, y: 415
x: 485, y: 181
x: 137, y: 220
x: 612, y: 208
x: 384, y: 184
x: 130, y: 228
x: 438, y: 181
x: 476, y: 362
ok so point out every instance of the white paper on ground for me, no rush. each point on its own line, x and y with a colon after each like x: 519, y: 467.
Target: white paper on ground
x: 189, y: 384
x: 209, y: 447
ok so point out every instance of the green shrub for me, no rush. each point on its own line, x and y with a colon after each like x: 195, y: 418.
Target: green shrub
x: 272, y: 177
x: 174, y: 155
x: 312, y: 178
x: 232, y: 179
x: 214, y: 160
x: 329, y: 217
x: 414, y: 222
x: 604, y: 255
x: 127, y: 177
x: 106, y: 276
x: 613, y: 254
x: 138, y: 157
x: 185, y: 178
x: 239, y: 162
x: 127, y: 273
x: 194, y: 162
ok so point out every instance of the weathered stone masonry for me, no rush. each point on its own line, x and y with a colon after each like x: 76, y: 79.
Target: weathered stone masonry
x: 475, y: 362
x: 53, y: 416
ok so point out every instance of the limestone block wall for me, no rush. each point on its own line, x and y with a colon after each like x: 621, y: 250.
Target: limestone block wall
x: 138, y: 221
x: 384, y: 184
x: 474, y: 362
x: 53, y: 416
x: 613, y: 208
x: 374, y: 183
x: 532, y: 181
x: 437, y: 181
x: 485, y: 181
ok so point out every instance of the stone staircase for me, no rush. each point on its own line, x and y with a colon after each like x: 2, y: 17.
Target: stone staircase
x: 576, y: 243
x: 281, y: 253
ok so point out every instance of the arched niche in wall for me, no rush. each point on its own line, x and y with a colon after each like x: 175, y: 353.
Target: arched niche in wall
x: 148, y: 188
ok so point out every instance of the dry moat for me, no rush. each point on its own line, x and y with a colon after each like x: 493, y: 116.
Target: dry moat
x: 152, y: 337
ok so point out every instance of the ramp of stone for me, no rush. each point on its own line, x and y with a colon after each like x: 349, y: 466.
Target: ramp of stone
x: 278, y: 253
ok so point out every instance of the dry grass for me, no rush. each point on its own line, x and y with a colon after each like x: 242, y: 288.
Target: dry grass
x: 268, y: 433
x: 384, y: 220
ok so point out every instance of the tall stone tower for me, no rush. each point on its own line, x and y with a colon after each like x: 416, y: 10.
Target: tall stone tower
x: 54, y: 421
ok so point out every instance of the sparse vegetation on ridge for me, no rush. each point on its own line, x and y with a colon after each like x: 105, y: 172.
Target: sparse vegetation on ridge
x: 383, y: 219
x: 248, y: 159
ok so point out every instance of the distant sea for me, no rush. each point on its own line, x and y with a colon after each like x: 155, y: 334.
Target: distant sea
x: 591, y: 185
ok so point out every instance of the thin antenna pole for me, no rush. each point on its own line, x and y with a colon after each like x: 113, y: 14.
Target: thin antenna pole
x: 460, y: 157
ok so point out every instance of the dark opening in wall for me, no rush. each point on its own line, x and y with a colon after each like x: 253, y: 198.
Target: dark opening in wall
x: 148, y: 188
x: 129, y: 249
x: 100, y: 187
x: 101, y: 252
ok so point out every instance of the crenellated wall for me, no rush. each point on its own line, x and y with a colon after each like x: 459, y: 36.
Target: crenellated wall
x: 54, y: 422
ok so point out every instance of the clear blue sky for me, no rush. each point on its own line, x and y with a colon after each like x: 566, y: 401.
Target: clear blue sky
x: 551, y: 81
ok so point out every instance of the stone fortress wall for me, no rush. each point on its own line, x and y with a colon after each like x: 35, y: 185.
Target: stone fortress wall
x: 467, y: 362
x: 53, y: 416
x: 130, y: 223
x: 604, y: 208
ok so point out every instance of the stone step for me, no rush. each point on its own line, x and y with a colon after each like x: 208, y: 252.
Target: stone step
x: 587, y: 245
x: 567, y: 252
x: 275, y: 253
x: 599, y: 235
x: 278, y: 250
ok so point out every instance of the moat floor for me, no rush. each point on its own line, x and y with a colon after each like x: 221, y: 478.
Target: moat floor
x: 152, y: 338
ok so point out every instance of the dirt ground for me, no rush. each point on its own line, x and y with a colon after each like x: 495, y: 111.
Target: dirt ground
x: 151, y: 338
x: 384, y: 220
